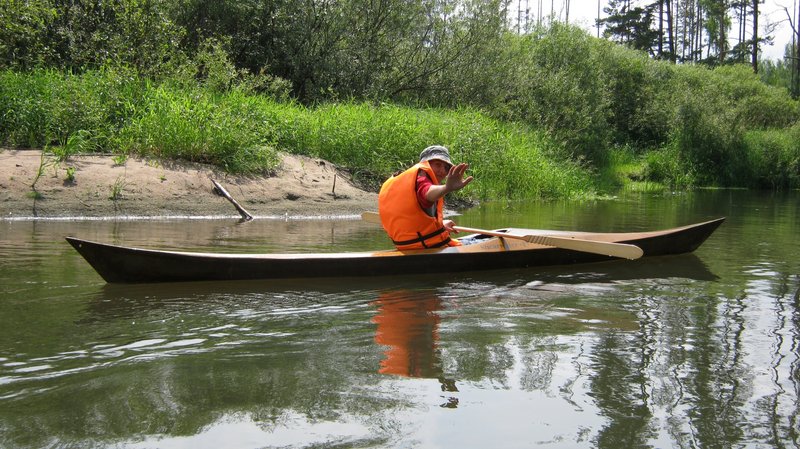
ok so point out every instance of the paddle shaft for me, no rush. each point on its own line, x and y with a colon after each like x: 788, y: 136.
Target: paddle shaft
x: 622, y: 250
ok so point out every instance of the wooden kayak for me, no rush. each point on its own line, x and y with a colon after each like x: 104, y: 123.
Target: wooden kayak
x: 121, y: 264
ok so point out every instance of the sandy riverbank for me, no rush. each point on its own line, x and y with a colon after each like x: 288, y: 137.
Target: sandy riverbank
x: 152, y: 188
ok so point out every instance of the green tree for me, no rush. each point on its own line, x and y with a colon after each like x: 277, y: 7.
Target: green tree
x: 80, y: 35
x: 778, y: 73
x: 717, y: 24
x: 23, y: 41
x: 384, y: 49
x: 630, y: 25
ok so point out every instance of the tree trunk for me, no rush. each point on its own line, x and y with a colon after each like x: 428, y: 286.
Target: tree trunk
x: 689, y: 24
x: 742, y: 23
x: 661, y: 29
x: 796, y: 56
x: 697, y: 48
x: 539, y: 16
x: 671, y: 31
x: 755, y: 36
x: 598, y: 19
x: 722, y: 37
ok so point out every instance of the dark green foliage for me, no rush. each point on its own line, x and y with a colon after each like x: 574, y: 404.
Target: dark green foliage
x: 212, y: 81
x: 555, y: 85
x: 709, y: 143
x: 23, y: 37
x: 713, y: 111
x: 90, y: 34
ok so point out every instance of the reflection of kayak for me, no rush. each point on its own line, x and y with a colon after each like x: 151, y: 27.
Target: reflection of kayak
x: 136, y: 265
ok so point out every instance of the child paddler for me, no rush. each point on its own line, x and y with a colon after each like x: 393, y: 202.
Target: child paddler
x: 411, y: 203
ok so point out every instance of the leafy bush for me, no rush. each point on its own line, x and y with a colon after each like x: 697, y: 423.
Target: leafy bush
x: 711, y: 144
x: 557, y: 87
x: 774, y: 157
x: 666, y: 166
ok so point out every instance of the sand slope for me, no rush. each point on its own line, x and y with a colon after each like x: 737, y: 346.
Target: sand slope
x: 303, y: 186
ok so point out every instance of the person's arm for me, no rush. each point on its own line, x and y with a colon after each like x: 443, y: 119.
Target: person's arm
x: 455, y: 181
x: 424, y: 184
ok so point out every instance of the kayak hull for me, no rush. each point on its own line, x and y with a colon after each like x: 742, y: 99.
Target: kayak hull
x: 122, y: 264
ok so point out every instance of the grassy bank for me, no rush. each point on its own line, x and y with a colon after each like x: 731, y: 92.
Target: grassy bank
x: 571, y: 116
x: 553, y: 111
x: 711, y: 140
x: 113, y: 111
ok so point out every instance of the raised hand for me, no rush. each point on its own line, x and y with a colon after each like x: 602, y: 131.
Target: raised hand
x: 455, y: 177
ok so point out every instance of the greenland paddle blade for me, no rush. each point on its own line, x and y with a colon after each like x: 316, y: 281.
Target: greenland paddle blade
x: 621, y: 250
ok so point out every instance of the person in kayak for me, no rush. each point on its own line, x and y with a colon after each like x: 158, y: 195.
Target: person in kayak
x: 411, y: 203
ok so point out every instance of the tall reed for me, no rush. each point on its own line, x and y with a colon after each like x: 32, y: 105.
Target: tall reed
x: 375, y: 141
x: 109, y: 110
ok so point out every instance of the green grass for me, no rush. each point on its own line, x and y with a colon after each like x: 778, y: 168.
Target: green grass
x: 111, y: 111
x: 200, y: 125
x: 375, y: 141
x: 244, y: 133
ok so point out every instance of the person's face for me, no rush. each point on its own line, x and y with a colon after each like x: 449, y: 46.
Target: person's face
x: 440, y: 168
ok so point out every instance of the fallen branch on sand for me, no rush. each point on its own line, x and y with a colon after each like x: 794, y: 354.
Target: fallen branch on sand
x: 219, y: 190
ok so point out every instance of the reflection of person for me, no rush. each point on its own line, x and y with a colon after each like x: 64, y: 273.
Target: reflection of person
x: 415, y: 221
x: 408, y: 326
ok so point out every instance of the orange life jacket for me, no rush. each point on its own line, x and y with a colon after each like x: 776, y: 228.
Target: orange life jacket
x: 403, y: 218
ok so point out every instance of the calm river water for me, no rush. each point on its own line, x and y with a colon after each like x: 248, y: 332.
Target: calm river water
x: 690, y: 351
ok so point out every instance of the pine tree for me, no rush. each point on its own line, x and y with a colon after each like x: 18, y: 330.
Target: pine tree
x: 630, y: 25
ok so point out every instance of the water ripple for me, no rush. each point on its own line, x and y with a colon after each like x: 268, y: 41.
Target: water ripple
x: 133, y: 329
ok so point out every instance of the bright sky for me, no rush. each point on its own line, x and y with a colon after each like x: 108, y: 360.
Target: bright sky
x: 584, y: 13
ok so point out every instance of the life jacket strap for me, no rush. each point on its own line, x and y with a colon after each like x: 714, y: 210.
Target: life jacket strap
x: 423, y: 238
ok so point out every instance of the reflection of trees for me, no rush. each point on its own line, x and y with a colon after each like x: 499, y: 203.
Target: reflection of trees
x: 794, y: 372
x: 780, y: 409
x: 618, y: 382
x: 689, y: 364
x: 308, y: 368
x: 715, y: 386
x: 693, y: 364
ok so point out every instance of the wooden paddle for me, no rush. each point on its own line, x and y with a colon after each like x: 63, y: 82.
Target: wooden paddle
x: 621, y: 250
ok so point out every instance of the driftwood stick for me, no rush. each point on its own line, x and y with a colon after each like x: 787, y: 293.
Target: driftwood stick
x: 218, y: 189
